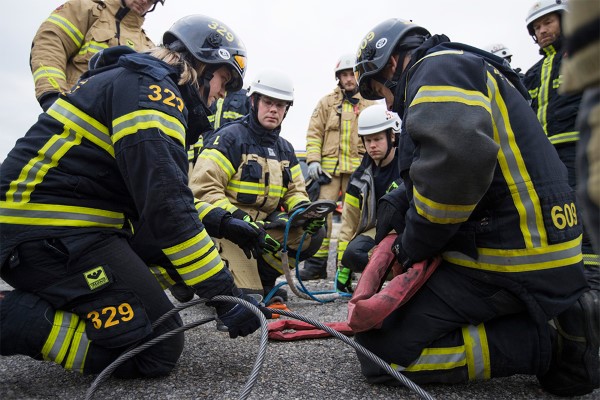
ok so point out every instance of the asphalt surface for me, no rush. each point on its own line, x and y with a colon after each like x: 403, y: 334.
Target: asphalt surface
x: 213, y: 366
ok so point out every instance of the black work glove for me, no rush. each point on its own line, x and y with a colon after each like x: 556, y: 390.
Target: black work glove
x: 265, y: 241
x: 246, y: 235
x: 403, y: 259
x: 239, y: 320
x: 391, y: 213
x: 313, y: 225
x: 47, y: 100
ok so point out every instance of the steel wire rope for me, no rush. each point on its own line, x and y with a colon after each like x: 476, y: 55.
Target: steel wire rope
x: 131, y: 352
x: 372, y: 356
x: 251, y: 381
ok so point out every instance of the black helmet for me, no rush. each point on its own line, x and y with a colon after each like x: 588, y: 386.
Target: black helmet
x: 209, y: 41
x: 379, y: 45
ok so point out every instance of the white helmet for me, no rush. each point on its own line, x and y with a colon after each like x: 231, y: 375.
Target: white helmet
x: 541, y: 8
x: 499, y: 50
x: 347, y: 61
x: 273, y: 83
x: 377, y: 119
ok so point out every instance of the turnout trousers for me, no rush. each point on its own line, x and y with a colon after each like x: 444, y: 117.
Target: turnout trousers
x: 81, y: 301
x: 469, y: 330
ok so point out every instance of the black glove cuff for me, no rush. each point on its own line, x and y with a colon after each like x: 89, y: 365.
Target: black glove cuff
x: 403, y: 259
x: 240, y: 214
x: 47, y: 99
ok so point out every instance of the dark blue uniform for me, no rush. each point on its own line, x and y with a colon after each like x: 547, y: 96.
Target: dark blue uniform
x: 108, y: 155
x: 488, y: 193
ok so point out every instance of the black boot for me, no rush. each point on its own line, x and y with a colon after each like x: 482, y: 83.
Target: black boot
x: 575, y: 366
x: 314, y: 268
x: 25, y: 323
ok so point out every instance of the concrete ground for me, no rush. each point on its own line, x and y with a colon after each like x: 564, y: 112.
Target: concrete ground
x: 213, y: 366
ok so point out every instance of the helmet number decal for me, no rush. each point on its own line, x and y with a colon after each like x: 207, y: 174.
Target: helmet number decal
x: 166, y: 96
x: 370, y: 36
x: 222, y: 30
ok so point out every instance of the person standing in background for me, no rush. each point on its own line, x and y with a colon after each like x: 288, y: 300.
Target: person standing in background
x: 557, y: 111
x: 333, y: 147
x: 74, y: 32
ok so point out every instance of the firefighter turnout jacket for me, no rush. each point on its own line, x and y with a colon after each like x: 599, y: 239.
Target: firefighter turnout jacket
x: 360, y: 201
x: 556, y: 112
x: 247, y: 169
x: 74, y: 32
x: 109, y: 152
x: 498, y: 202
x: 332, y: 136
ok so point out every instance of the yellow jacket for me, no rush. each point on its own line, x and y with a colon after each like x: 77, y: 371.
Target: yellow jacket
x: 332, y: 137
x: 74, y: 32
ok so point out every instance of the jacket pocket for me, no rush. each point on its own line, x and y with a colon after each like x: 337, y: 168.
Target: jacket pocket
x: 249, y: 185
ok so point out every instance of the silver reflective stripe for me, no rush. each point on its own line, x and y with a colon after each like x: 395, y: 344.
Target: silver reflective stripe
x: 37, y: 168
x: 520, y: 260
x: 60, y: 336
x: 78, y: 350
x: 439, y: 359
x: 192, y: 272
x: 58, y: 215
x: 515, y: 172
x: 477, y: 351
x: 190, y: 249
x: 82, y: 124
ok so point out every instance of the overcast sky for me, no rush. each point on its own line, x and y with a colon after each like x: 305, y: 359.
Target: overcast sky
x: 303, y: 37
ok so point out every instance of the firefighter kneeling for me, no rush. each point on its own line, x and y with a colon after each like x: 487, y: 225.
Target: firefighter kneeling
x: 485, y: 191
x: 109, y: 155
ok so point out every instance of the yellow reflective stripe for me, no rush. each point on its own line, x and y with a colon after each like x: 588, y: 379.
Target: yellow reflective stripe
x: 203, y: 208
x: 296, y: 171
x: 314, y: 145
x: 57, y: 344
x: 189, y: 250
x: 50, y: 73
x: 196, y: 259
x: 515, y: 172
x: 92, y: 47
x: 566, y: 137
x: 36, y: 169
x: 323, y: 251
x: 351, y: 201
x: 521, y: 260
x: 135, y: 121
x: 217, y: 157
x: 78, y: 350
x: 345, y: 138
x: 246, y: 187
x: 451, y: 94
x: 433, y: 359
x: 83, y: 124
x: 341, y: 248
x: 293, y: 201
x: 218, y: 112
x: 162, y: 276
x: 544, y: 89
x: 66, y: 25
x: 58, y: 215
x: 275, y: 262
x: 477, y: 351
x: 202, y: 269
x: 441, y: 213
x: 232, y: 115
x: 255, y: 188
x: 329, y: 164
x: 225, y: 204
x: 591, y: 259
